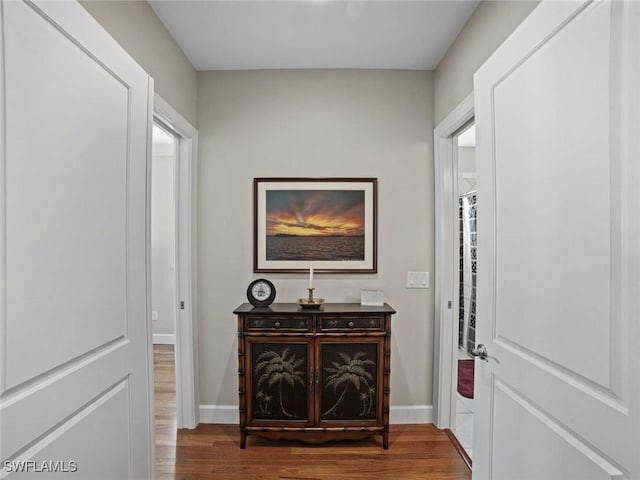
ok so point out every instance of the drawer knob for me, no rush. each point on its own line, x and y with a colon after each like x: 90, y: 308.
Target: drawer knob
x: 351, y: 324
x: 277, y: 324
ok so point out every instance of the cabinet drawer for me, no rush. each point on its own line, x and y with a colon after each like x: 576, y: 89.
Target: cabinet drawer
x: 328, y: 324
x: 275, y: 323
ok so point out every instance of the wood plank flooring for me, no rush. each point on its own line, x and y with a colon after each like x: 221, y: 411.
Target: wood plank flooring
x: 213, y: 451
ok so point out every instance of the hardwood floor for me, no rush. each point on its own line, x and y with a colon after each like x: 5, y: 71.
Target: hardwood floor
x: 213, y: 451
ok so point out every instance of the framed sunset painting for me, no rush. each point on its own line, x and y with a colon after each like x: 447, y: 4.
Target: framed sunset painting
x: 325, y: 223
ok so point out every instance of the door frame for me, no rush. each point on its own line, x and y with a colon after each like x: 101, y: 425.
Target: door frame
x: 446, y: 254
x: 186, y: 326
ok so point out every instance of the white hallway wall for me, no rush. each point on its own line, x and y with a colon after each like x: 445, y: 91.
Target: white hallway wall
x: 136, y: 27
x: 177, y: 83
x: 316, y: 123
x: 490, y: 25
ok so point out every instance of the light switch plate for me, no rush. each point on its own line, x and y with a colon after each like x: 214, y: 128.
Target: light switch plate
x: 417, y: 279
x: 154, y: 315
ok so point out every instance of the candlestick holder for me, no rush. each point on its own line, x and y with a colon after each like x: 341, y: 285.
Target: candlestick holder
x: 310, y: 302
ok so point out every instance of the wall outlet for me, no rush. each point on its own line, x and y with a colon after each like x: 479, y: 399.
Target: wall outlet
x: 417, y: 279
x: 154, y: 315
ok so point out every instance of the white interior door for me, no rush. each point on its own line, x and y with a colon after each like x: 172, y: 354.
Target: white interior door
x: 557, y: 111
x: 75, y: 377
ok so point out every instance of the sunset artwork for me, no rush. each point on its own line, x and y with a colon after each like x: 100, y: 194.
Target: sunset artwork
x: 315, y: 225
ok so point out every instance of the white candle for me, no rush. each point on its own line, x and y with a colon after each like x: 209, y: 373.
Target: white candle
x: 311, y: 277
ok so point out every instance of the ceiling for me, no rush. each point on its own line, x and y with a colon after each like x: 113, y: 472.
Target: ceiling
x: 267, y: 34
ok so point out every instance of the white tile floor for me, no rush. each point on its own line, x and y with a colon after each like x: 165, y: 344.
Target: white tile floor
x: 464, y: 423
x: 464, y: 417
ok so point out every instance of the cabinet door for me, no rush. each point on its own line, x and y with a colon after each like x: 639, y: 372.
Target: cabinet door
x: 279, y: 373
x: 350, y: 373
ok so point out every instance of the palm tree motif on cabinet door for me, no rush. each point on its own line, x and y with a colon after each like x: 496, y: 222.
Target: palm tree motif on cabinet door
x: 351, y: 380
x: 275, y: 371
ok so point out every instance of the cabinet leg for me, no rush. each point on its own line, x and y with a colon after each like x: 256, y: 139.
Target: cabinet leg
x: 385, y: 439
x: 243, y: 439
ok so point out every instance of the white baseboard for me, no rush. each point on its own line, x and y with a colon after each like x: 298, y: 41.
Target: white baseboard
x: 219, y: 414
x: 411, y: 414
x: 397, y: 415
x: 164, y: 339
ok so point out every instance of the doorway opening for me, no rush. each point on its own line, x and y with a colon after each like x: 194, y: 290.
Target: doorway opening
x: 453, y: 175
x: 163, y: 233
x: 164, y: 307
x: 465, y: 295
x: 172, y: 253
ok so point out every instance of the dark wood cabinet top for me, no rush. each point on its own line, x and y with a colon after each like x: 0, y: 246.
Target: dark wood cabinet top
x: 327, y: 309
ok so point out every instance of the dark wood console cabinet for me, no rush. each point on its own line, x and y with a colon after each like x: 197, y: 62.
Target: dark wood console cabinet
x: 314, y: 375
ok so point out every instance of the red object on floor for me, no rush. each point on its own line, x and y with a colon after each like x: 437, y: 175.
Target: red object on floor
x: 465, y: 378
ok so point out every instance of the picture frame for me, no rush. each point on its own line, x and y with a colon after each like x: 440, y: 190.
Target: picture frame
x: 328, y: 224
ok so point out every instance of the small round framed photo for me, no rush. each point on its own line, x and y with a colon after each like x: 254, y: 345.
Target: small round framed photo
x: 261, y: 293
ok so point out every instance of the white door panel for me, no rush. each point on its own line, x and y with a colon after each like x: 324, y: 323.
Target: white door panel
x: 62, y: 168
x: 556, y: 453
x: 558, y: 246
x: 75, y: 349
x: 562, y: 157
x: 106, y: 421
